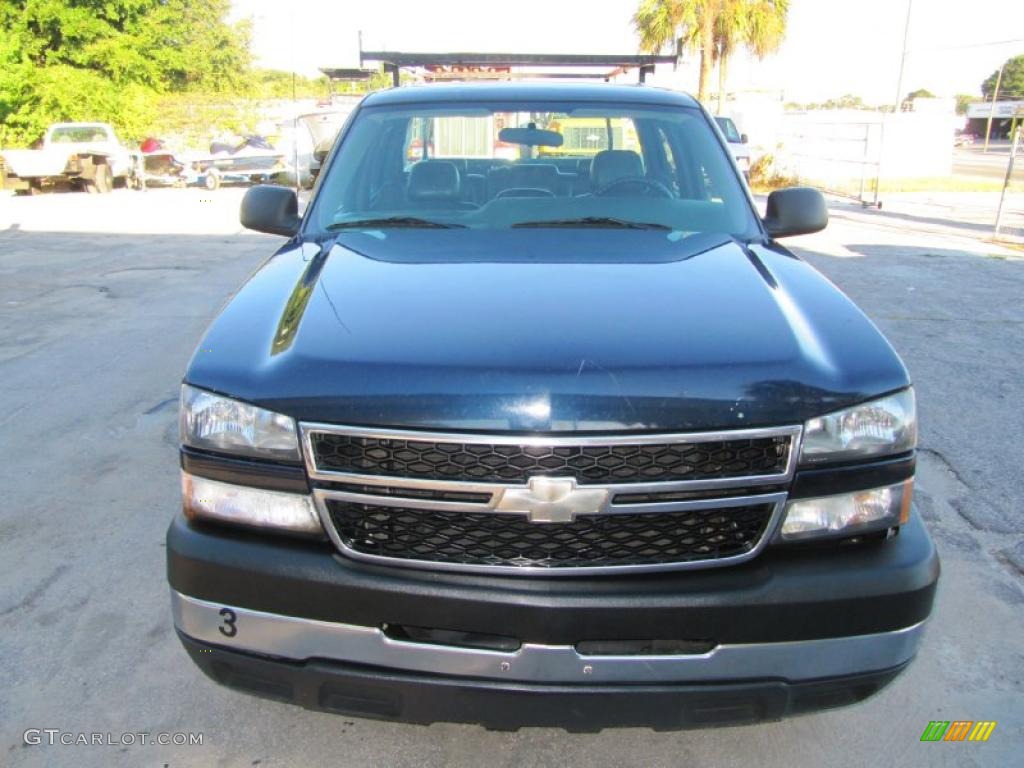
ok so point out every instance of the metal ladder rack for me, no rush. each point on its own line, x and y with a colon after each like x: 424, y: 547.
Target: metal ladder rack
x: 499, y: 66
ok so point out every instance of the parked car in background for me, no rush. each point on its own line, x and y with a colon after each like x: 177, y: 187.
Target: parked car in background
x: 567, y: 438
x: 85, y: 156
x: 323, y: 127
x: 738, y: 143
x: 963, y: 139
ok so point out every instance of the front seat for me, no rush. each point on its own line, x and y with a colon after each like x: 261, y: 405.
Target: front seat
x: 434, y: 184
x: 613, y: 164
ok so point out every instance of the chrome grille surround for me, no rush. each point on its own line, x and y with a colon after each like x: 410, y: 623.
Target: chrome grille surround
x: 737, y: 491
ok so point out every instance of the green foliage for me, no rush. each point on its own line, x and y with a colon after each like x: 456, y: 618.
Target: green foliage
x: 765, y: 175
x: 920, y: 93
x: 191, y: 118
x: 660, y: 23
x: 765, y: 27
x: 847, y: 101
x: 1012, y: 84
x: 964, y: 100
x: 379, y: 80
x: 43, y: 95
x: 714, y: 28
x: 276, y: 84
x: 111, y: 60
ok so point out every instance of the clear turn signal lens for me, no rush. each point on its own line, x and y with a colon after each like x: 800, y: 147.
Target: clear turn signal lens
x: 848, y: 514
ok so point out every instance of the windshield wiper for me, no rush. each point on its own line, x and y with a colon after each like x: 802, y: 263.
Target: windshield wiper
x: 594, y: 221
x: 394, y: 221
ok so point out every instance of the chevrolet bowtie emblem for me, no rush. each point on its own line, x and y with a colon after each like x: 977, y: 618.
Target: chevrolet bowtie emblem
x: 553, y: 500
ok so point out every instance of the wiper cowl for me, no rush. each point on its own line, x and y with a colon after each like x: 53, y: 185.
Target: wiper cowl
x: 412, y: 222
x: 594, y: 221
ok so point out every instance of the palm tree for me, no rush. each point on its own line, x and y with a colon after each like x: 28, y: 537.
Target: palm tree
x: 715, y: 28
x: 731, y: 26
x: 686, y: 24
x: 760, y: 25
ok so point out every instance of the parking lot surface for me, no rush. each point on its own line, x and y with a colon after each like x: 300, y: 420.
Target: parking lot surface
x: 102, y: 300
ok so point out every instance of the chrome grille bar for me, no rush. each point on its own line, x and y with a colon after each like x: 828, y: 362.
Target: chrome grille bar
x: 748, y: 490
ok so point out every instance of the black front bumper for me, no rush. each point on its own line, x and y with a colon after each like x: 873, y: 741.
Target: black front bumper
x: 496, y: 705
x: 780, y: 595
x: 783, y: 595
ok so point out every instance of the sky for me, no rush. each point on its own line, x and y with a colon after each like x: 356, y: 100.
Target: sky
x: 832, y: 47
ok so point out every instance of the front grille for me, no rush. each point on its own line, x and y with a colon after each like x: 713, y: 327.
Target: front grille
x: 487, y: 462
x: 492, y: 539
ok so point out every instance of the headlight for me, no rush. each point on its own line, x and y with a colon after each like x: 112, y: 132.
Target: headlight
x: 848, y: 514
x: 214, y: 500
x: 217, y: 423
x: 879, y: 428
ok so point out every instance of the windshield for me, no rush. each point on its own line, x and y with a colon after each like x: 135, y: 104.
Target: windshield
x: 532, y: 164
x: 728, y: 129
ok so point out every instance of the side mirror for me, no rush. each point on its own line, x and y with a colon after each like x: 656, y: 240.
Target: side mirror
x: 795, y: 211
x: 274, y: 210
x: 743, y: 138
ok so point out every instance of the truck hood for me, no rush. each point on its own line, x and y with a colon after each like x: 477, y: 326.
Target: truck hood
x: 610, y: 330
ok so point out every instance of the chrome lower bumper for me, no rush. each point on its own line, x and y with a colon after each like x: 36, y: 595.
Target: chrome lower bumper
x: 298, y: 639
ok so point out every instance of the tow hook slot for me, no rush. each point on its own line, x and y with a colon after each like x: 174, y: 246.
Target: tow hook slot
x: 644, y: 647
x: 408, y: 633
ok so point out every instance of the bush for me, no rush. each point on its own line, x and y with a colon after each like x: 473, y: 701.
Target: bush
x: 36, y: 97
x: 765, y: 174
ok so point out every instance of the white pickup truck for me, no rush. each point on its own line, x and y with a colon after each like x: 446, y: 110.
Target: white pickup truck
x: 80, y: 155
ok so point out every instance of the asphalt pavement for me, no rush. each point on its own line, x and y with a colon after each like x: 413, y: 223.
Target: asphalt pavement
x: 102, y: 300
x: 974, y: 162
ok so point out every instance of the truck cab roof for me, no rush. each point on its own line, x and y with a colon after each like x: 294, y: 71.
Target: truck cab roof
x: 446, y: 92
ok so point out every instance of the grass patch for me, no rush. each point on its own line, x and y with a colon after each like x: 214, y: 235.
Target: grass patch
x: 938, y: 184
x: 766, y: 176
x: 949, y: 184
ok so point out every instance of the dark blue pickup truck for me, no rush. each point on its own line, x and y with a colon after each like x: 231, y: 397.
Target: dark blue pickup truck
x: 532, y: 421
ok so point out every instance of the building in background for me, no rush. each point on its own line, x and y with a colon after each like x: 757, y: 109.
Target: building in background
x: 1005, y: 114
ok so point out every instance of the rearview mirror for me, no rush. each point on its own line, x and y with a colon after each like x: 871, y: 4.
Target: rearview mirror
x: 274, y: 210
x: 795, y: 211
x: 531, y: 136
x: 743, y: 138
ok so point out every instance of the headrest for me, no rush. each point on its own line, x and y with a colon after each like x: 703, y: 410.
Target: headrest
x: 539, y: 173
x: 612, y: 164
x: 433, y: 180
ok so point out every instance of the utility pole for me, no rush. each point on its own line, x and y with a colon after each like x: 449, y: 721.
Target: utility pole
x: 1006, y: 182
x: 992, y: 110
x: 903, y: 61
x: 897, y: 106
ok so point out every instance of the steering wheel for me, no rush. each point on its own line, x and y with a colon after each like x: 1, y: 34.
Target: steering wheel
x: 651, y: 187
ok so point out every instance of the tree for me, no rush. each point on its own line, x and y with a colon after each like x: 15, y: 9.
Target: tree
x: 713, y: 28
x: 759, y: 25
x: 109, y: 60
x: 963, y: 101
x: 1012, y: 83
x: 920, y: 93
x: 685, y: 24
x: 278, y: 84
x: 731, y: 27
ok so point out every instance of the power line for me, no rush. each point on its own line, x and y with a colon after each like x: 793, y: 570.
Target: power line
x: 967, y: 45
